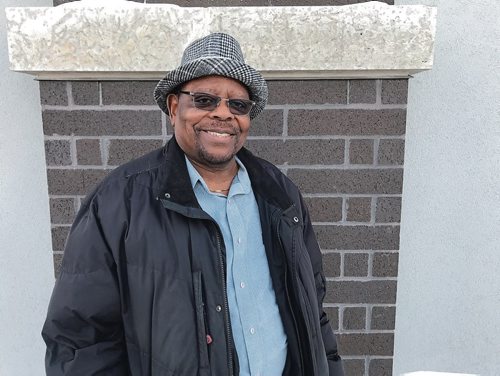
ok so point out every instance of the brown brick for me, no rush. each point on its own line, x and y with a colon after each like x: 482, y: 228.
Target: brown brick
x: 391, y: 152
x: 357, y: 237
x: 362, y: 91
x: 380, y: 367
x: 377, y: 292
x: 361, y: 151
x: 354, y: 318
x: 57, y: 260
x: 355, y: 265
x: 128, y: 92
x: 85, y: 92
x: 59, y: 236
x: 331, y: 264
x: 394, y: 91
x: 366, y: 344
x: 324, y: 209
x: 62, y: 210
x: 364, y: 181
x: 100, y: 123
x: 74, y: 182
x: 88, y: 152
x: 383, y: 318
x: 310, y: 91
x: 121, y: 151
x: 53, y: 93
x: 346, y: 122
x: 333, y: 316
x: 354, y: 367
x: 57, y: 152
x: 388, y: 209
x: 359, y: 209
x: 385, y: 264
x: 299, y: 152
x: 268, y: 123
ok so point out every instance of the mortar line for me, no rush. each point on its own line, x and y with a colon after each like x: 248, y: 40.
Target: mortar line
x: 368, y: 317
x: 285, y: 122
x: 265, y: 138
x: 376, y: 145
x: 73, y: 151
x: 348, y: 91
x: 81, y: 137
x: 357, y: 305
x: 360, y: 279
x: 338, y: 106
x: 163, y: 126
x: 337, y: 195
x: 354, y: 224
x: 373, y: 210
x: 101, y: 107
x: 104, y: 148
x: 99, y: 88
x: 343, y: 167
x: 378, y: 92
x: 347, y: 151
x: 69, y: 93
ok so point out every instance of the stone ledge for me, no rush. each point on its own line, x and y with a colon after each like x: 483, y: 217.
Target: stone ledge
x: 128, y: 40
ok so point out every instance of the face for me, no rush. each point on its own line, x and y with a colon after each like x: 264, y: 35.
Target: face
x: 209, y: 138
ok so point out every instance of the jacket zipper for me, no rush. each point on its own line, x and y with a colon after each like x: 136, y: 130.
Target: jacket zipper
x: 288, y: 293
x: 229, y: 340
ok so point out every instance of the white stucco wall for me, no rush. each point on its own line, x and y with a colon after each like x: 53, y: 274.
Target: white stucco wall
x: 26, y: 272
x: 448, y: 301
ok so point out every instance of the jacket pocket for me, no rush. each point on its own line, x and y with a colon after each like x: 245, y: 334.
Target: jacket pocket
x: 201, y: 323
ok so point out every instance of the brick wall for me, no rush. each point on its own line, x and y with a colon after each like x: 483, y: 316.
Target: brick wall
x: 341, y: 141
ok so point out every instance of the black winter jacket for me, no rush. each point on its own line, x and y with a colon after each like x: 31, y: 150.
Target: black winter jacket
x: 142, y: 280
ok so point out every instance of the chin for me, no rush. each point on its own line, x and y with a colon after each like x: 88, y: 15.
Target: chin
x: 215, y: 159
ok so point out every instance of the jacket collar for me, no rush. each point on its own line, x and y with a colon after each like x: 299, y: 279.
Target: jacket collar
x: 174, y: 184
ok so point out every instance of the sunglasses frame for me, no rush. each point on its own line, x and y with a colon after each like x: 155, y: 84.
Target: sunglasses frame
x: 218, y: 102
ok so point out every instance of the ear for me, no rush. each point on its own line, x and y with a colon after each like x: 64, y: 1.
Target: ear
x: 172, y: 105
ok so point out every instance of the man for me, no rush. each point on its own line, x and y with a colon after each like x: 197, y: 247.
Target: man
x: 199, y: 258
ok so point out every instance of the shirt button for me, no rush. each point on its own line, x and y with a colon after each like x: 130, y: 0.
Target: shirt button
x: 218, y: 308
x: 242, y: 285
x: 239, y: 240
x: 252, y: 331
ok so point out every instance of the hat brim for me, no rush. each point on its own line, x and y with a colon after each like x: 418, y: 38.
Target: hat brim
x: 216, y: 66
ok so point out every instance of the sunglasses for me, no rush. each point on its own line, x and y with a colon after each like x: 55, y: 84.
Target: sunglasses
x: 209, y: 102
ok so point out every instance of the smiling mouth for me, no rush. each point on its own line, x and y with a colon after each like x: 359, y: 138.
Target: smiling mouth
x: 219, y: 134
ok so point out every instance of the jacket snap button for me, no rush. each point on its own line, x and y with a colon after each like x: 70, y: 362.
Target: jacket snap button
x: 218, y: 308
x: 167, y: 195
x: 295, y: 219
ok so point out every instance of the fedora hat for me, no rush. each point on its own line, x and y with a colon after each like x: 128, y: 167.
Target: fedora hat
x: 217, y: 54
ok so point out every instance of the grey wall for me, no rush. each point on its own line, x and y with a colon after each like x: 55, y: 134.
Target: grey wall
x: 26, y: 274
x: 448, y: 300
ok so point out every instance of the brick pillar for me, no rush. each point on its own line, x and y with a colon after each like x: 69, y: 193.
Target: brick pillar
x: 340, y: 141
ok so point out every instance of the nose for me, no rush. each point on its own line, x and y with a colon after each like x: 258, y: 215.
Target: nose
x: 222, y: 111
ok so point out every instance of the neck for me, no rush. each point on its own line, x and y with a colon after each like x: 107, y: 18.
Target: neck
x: 218, y: 179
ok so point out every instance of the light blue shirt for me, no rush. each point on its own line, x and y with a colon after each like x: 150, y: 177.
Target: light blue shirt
x: 258, y: 331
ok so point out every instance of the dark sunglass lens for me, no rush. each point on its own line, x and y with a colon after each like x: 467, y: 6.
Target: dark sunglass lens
x: 205, y: 101
x: 239, y: 106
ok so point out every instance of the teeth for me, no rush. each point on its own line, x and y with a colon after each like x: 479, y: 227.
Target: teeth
x: 218, y: 134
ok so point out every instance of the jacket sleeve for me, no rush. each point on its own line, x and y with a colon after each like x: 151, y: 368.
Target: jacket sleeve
x: 83, y: 330
x: 334, y: 361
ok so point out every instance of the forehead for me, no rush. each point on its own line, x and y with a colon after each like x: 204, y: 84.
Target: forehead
x: 218, y: 85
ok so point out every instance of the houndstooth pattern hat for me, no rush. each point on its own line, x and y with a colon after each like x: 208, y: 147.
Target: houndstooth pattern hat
x: 217, y: 54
